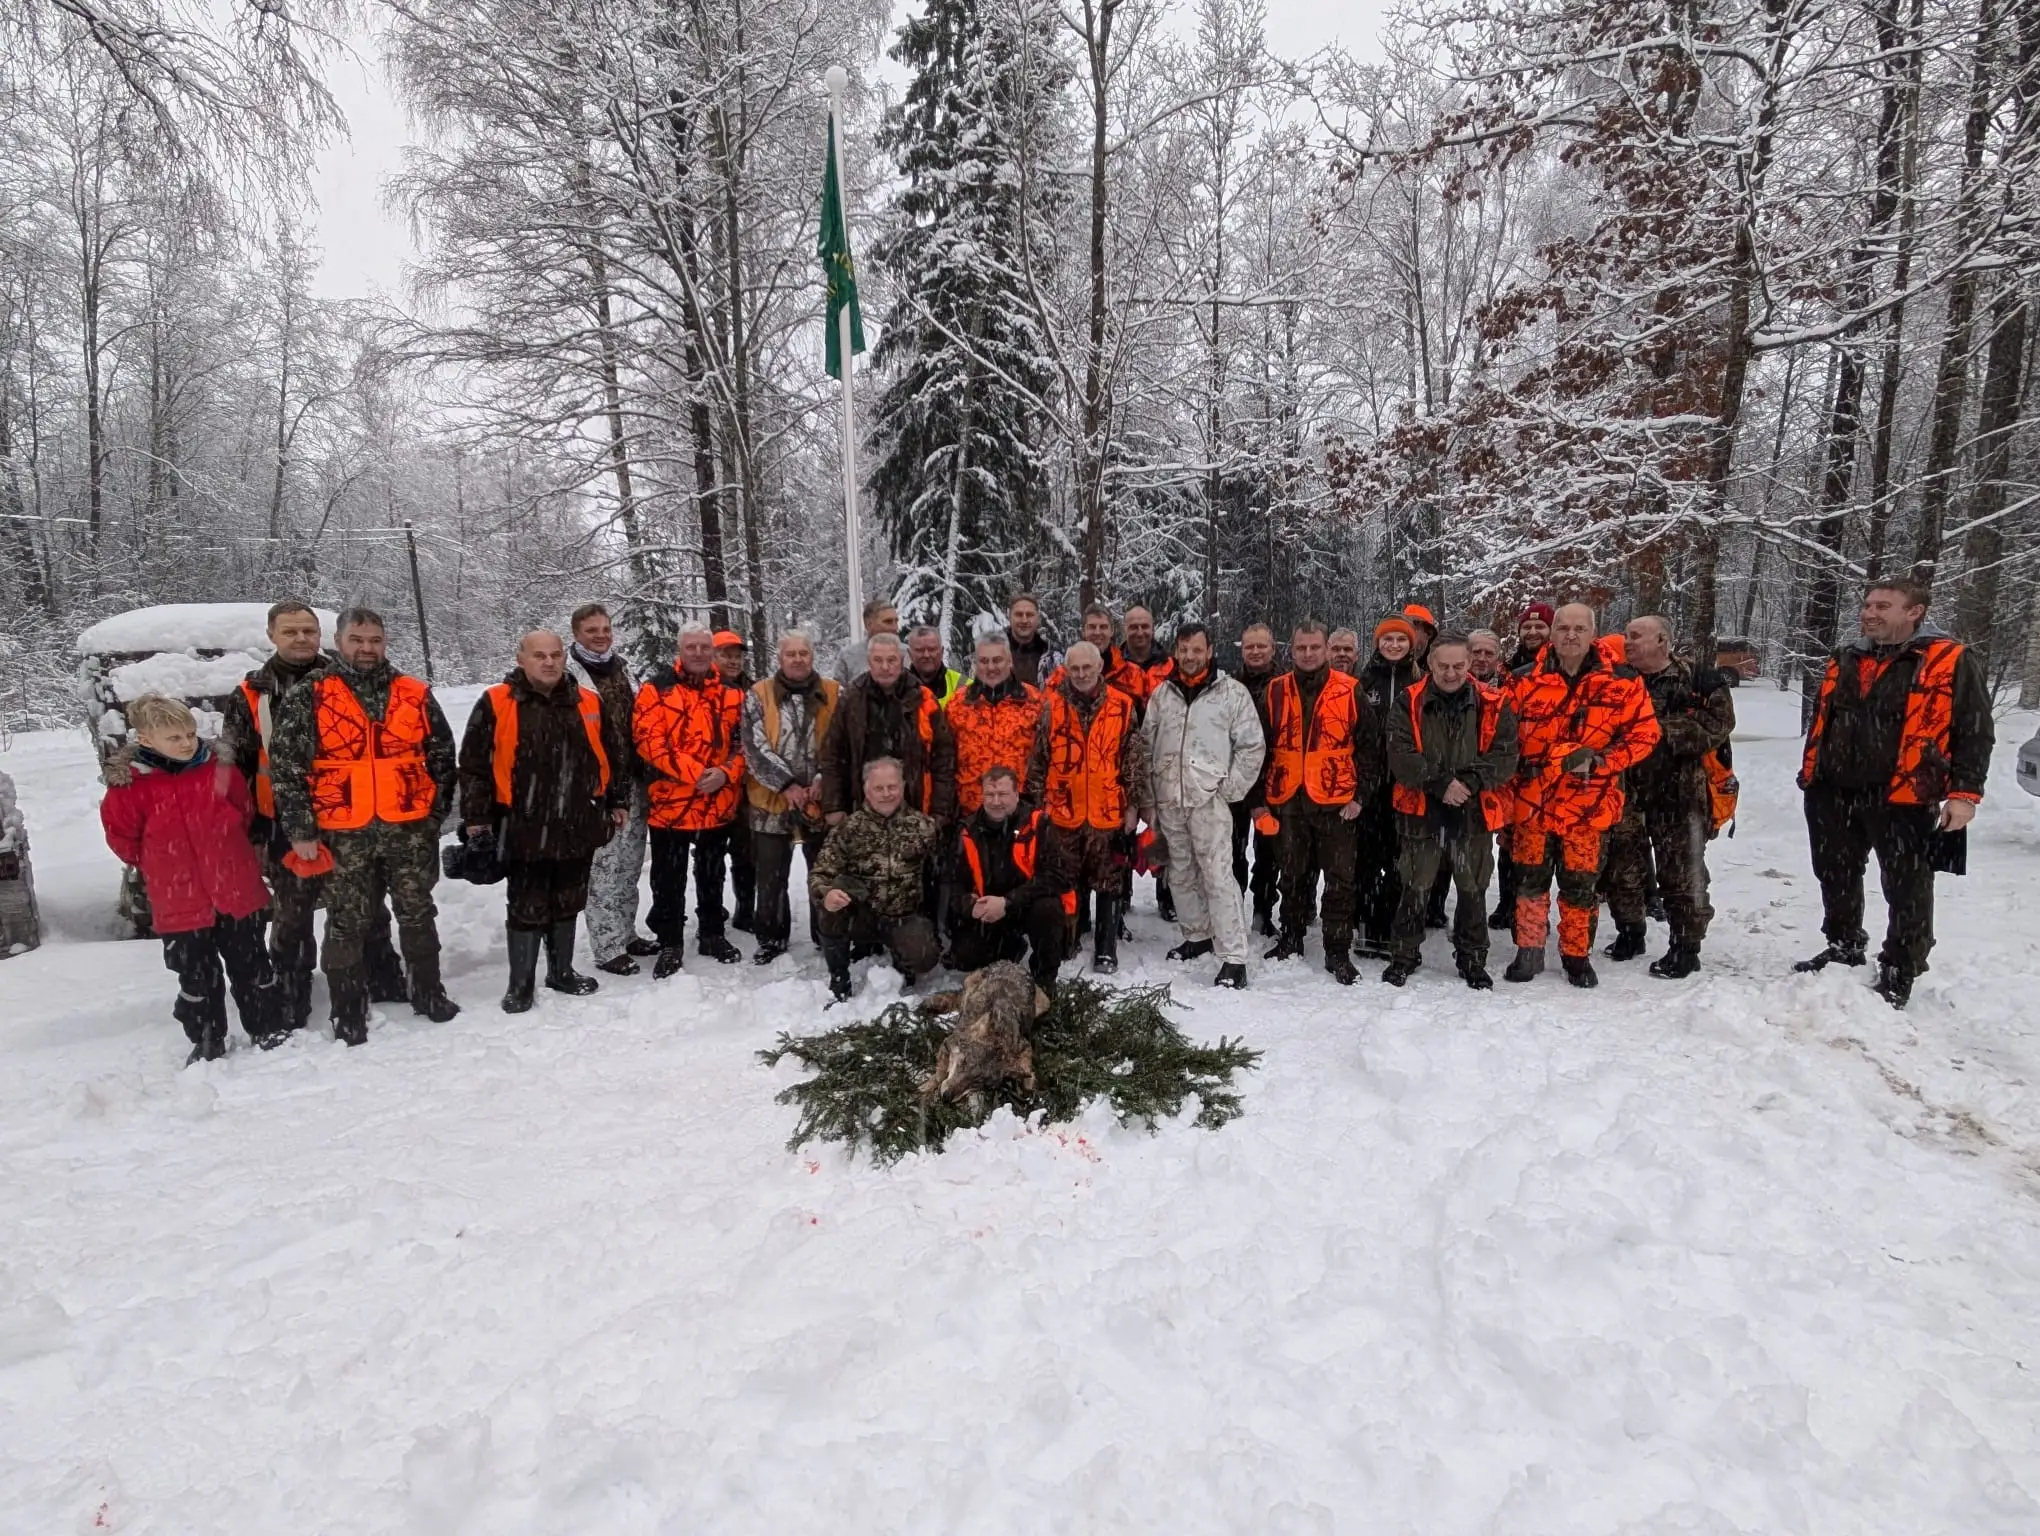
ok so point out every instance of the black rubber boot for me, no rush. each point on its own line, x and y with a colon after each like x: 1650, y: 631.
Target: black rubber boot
x: 1579, y: 970
x: 1834, y: 954
x: 1192, y: 949
x: 1678, y: 962
x: 1474, y: 973
x: 1165, y: 909
x: 1894, y: 985
x: 560, y: 975
x: 1527, y: 966
x: 350, y: 1008
x: 1105, y: 937
x: 1629, y: 942
x: 524, y: 945
x: 428, y: 993
x: 1233, y: 976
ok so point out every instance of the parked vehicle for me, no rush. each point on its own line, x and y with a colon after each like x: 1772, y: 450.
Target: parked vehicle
x: 1739, y: 660
x: 20, y: 925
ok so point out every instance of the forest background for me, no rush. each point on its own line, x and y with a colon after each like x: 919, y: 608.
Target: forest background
x: 1710, y: 308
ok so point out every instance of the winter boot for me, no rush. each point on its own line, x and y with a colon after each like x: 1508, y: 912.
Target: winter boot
x: 428, y: 993
x: 1894, y: 985
x: 1192, y: 949
x: 1400, y: 970
x: 297, y: 998
x: 618, y: 965
x: 1339, y: 963
x: 1834, y: 954
x: 1084, y: 900
x: 1474, y: 973
x: 560, y: 975
x: 1680, y: 961
x: 671, y: 958
x: 385, y: 972
x: 1527, y: 966
x: 1233, y: 976
x: 768, y: 952
x: 1630, y: 941
x: 1503, y: 916
x: 1105, y: 938
x: 350, y: 1008
x: 1287, y: 948
x: 524, y: 944
x: 839, y: 985
x: 644, y: 949
x: 1264, y: 922
x: 1579, y: 970
x: 716, y: 947
x: 1165, y: 909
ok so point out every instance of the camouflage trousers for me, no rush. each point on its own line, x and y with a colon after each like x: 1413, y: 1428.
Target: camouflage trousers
x: 1677, y: 839
x: 612, y: 909
x: 404, y: 860
x: 1464, y: 856
x: 1317, y: 841
x: 1573, y: 858
x: 293, y: 939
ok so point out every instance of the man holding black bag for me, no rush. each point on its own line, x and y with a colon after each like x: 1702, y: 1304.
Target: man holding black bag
x: 1451, y: 754
x: 1895, y: 765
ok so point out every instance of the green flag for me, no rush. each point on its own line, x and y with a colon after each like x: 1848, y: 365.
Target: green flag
x: 837, y: 267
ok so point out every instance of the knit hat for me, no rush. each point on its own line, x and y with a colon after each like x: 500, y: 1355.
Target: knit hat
x: 1417, y: 613
x: 723, y: 637
x: 1395, y: 624
x: 1542, y: 611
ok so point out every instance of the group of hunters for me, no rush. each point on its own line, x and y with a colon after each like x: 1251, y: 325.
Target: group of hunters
x: 961, y: 821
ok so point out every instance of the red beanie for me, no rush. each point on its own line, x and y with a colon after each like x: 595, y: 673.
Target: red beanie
x: 1542, y: 611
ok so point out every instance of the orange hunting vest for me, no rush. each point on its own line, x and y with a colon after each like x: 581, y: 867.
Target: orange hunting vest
x: 1026, y: 851
x: 371, y: 770
x: 1494, y: 803
x: 1323, y: 767
x: 503, y: 705
x: 1083, y: 786
x: 1921, y: 777
x: 259, y: 716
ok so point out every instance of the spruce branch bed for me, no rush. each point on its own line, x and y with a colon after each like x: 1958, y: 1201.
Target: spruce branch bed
x: 1095, y: 1042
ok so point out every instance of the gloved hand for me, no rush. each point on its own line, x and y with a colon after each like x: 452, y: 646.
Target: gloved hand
x: 1579, y: 760
x: 1158, y: 848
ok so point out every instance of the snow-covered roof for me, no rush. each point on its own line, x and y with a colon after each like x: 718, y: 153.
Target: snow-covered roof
x: 178, y: 676
x: 187, y: 627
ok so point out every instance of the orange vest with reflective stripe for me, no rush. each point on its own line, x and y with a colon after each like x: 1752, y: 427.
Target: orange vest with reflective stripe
x: 1083, y: 788
x: 1026, y: 857
x: 259, y: 717
x: 1322, y: 766
x: 503, y: 705
x: 1494, y: 803
x: 1921, y: 776
x: 371, y: 770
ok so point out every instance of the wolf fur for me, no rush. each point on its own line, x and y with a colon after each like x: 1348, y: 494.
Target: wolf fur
x: 989, y: 1045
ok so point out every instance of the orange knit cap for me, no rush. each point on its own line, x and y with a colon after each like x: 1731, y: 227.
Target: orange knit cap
x: 1395, y: 624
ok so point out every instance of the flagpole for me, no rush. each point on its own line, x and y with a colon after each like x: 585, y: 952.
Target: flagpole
x: 838, y: 81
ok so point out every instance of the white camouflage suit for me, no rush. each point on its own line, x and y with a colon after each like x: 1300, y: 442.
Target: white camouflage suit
x: 611, y: 915
x: 1204, y: 755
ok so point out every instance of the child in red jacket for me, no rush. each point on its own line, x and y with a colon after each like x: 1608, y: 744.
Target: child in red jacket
x: 182, y: 819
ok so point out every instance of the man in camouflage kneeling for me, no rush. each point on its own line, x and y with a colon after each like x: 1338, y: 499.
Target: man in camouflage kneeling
x: 870, y: 879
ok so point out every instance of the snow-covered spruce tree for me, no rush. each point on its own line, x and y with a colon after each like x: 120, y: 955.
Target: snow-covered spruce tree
x: 957, y: 481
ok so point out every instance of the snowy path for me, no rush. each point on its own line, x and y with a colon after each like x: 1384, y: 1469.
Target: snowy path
x: 1750, y: 1254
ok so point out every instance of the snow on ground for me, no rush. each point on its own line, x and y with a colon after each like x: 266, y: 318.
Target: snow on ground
x: 1747, y: 1254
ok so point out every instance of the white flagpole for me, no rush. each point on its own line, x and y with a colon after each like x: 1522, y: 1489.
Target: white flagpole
x: 838, y: 81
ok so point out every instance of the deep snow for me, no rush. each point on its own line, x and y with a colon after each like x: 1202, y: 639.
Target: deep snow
x: 1746, y: 1254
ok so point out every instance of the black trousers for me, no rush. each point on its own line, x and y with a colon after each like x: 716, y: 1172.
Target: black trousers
x: 210, y: 960
x: 772, y: 860
x: 1377, y: 886
x: 743, y: 866
x: 1034, y: 934
x: 1317, y: 839
x: 671, y: 849
x: 1844, y: 828
x: 1264, y: 881
x: 544, y: 892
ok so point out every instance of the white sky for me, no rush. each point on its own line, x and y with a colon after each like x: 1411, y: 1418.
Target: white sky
x: 366, y: 248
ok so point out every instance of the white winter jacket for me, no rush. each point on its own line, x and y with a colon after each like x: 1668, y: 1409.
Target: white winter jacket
x: 1203, y: 751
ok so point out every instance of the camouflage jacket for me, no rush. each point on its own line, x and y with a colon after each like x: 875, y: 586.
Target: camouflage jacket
x: 881, y: 861
x: 295, y: 743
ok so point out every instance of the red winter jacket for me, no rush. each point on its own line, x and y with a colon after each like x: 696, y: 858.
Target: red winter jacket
x: 188, y: 833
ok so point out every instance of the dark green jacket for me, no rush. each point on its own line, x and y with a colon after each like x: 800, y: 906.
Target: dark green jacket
x: 1451, y: 747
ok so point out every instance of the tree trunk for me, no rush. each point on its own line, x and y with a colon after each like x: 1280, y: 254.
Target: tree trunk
x: 1983, y: 546
x: 17, y: 540
x: 715, y: 582
x: 1098, y: 18
x: 1897, y: 173
x: 1951, y: 378
x: 612, y: 408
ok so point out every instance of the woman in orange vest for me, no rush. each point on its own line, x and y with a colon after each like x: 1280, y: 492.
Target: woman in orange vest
x: 537, y: 771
